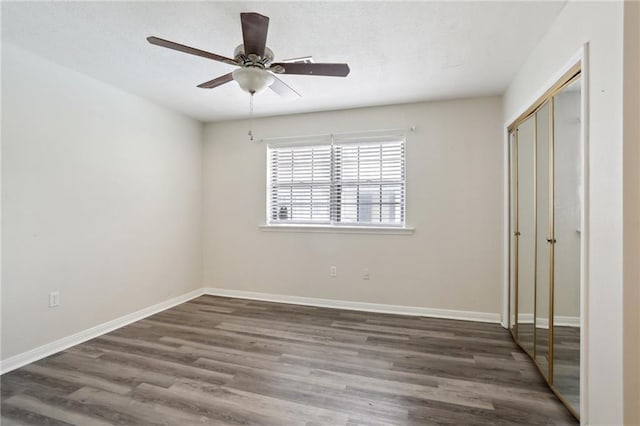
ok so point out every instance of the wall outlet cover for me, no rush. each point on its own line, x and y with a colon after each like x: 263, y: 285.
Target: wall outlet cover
x: 54, y: 299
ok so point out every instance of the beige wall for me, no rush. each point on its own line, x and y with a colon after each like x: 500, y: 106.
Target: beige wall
x: 632, y: 212
x: 600, y: 25
x: 454, y: 193
x: 101, y: 201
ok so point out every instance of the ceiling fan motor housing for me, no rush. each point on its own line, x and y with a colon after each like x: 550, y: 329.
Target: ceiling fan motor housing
x: 252, y: 77
x: 253, y: 60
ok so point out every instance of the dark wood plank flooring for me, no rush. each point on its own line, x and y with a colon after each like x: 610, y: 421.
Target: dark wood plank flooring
x: 229, y: 361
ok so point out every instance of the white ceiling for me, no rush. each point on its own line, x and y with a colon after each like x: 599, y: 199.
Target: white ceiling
x: 397, y: 51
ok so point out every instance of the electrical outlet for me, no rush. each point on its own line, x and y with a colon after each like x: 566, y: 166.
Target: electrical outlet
x: 54, y: 299
x: 333, y: 271
x: 365, y: 274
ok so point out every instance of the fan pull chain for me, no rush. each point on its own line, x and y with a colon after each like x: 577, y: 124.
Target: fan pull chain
x: 250, y: 117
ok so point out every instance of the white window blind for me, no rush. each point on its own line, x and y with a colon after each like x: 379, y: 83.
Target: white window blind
x: 346, y: 182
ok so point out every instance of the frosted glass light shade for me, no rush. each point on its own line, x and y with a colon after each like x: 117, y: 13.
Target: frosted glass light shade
x: 252, y: 80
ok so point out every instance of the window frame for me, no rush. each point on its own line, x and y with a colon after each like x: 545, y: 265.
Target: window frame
x: 333, y: 225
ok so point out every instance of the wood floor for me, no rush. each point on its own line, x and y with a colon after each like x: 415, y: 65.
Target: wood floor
x: 229, y: 361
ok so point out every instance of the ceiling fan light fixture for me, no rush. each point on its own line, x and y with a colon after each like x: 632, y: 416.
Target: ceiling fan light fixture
x: 257, y: 69
x: 252, y: 79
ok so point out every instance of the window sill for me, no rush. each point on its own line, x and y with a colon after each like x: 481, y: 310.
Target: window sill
x: 390, y: 230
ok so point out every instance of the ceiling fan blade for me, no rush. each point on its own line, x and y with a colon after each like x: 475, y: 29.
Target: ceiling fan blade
x: 217, y: 81
x: 334, y: 70
x: 191, y: 50
x: 254, y: 32
x: 282, y: 89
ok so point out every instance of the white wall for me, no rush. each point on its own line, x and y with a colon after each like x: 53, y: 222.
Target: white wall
x: 454, y: 193
x: 101, y: 200
x: 599, y: 24
x: 632, y: 212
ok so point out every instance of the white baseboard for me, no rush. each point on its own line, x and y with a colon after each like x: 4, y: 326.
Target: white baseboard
x: 43, y: 351
x: 559, y: 320
x: 564, y: 321
x: 358, y: 306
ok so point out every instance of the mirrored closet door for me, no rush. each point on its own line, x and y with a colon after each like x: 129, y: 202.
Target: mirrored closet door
x: 542, y: 176
x: 525, y: 234
x: 567, y: 220
x: 546, y: 186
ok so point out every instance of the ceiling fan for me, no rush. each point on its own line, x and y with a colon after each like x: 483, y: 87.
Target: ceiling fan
x: 255, y: 60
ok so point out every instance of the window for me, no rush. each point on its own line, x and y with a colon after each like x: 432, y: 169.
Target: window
x: 344, y: 182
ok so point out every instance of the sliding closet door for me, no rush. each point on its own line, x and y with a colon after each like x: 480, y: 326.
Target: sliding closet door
x: 543, y: 163
x: 527, y: 236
